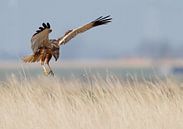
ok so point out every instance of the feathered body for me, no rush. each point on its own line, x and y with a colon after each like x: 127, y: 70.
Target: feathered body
x: 44, y: 48
x: 44, y: 53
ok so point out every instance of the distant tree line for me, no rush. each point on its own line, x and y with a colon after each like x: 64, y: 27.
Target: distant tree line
x: 159, y: 49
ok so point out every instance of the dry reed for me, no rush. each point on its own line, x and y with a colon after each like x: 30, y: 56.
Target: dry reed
x: 93, y: 103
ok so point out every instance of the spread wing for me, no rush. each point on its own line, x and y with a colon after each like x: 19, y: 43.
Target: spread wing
x: 72, y: 33
x: 40, y: 38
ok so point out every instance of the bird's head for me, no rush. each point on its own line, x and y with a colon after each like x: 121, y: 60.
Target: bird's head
x: 56, y: 56
x: 55, y: 49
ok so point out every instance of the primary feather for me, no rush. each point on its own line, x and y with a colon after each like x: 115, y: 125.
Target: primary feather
x: 72, y: 33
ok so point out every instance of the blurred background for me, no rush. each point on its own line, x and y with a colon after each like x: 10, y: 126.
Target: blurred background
x: 142, y: 32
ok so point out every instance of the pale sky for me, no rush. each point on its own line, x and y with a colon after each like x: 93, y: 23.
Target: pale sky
x: 133, y: 21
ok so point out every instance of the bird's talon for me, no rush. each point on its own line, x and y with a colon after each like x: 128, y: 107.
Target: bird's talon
x: 51, y: 72
x: 46, y: 73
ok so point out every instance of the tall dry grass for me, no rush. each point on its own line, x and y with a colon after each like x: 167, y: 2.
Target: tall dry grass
x: 97, y: 103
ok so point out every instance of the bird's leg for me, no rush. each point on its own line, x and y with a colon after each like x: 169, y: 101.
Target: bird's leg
x: 48, y: 57
x: 42, y: 59
x: 45, y: 70
x: 50, y: 70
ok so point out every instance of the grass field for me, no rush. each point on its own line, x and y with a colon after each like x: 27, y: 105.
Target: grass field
x: 93, y: 103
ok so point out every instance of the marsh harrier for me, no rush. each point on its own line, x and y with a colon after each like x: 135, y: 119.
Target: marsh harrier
x: 44, y: 48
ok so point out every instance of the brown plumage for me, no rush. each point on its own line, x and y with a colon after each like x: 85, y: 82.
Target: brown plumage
x: 44, y: 48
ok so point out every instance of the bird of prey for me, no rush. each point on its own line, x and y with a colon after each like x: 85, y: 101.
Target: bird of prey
x: 44, y: 48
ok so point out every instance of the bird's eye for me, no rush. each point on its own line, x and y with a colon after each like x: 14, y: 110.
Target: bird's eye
x: 50, y: 30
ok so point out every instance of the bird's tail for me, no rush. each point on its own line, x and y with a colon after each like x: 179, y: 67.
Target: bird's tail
x: 30, y: 58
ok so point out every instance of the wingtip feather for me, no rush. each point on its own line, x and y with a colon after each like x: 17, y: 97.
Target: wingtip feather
x: 102, y: 20
x: 43, y: 27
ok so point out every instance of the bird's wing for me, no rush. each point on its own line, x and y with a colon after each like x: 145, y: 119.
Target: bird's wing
x: 40, y: 38
x: 72, y: 33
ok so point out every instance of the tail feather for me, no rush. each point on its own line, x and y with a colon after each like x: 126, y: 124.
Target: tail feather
x: 30, y: 58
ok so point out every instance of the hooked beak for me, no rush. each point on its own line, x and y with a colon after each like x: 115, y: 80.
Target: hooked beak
x: 56, y: 57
